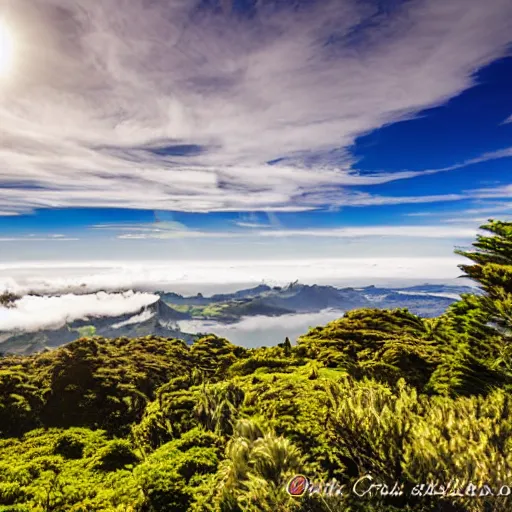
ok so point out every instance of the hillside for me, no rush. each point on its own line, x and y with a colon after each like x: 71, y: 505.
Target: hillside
x: 157, y: 319
x: 154, y: 424
x: 301, y: 298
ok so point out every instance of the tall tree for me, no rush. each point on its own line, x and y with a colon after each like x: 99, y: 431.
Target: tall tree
x: 492, y: 271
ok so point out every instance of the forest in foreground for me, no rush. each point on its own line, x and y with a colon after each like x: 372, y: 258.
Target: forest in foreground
x: 153, y: 424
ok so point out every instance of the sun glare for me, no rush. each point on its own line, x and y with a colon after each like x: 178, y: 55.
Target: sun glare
x: 6, y: 50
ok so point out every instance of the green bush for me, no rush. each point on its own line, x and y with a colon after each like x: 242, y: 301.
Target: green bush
x: 69, y: 445
x: 117, y: 454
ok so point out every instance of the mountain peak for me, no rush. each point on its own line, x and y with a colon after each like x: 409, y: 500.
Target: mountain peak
x: 164, y: 312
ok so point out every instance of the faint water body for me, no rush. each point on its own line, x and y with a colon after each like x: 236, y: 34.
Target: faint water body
x: 257, y: 331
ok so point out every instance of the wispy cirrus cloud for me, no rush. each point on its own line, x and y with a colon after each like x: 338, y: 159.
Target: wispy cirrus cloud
x: 489, y: 208
x: 455, y: 232
x: 470, y: 220
x: 252, y: 225
x: 149, y: 227
x: 477, y: 215
x: 500, y: 192
x: 178, y: 106
x: 38, y: 239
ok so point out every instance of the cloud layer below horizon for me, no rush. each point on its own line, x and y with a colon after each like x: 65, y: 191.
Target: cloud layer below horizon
x: 203, y: 276
x: 256, y: 331
x: 72, y: 292
x: 32, y: 313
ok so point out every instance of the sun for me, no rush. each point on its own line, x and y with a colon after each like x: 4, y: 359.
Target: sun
x: 6, y: 50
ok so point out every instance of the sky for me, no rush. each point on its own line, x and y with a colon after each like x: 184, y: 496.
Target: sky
x: 250, y: 131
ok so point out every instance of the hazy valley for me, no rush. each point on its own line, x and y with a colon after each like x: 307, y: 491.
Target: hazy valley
x: 257, y: 316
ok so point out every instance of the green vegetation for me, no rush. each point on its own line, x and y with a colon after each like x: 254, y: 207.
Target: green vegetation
x: 153, y: 424
x: 230, y: 311
x: 86, y: 331
x: 203, y: 311
x: 7, y: 299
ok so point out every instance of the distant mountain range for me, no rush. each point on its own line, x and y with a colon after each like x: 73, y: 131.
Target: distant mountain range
x: 162, y: 317
x: 424, y: 300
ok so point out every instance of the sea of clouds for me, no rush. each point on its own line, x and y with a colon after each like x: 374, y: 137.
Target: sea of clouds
x: 59, y: 292
x: 32, y: 313
x: 198, y: 276
x: 257, y: 331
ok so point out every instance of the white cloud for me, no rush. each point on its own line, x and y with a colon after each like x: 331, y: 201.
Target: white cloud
x: 150, y: 227
x: 256, y: 331
x: 491, y: 155
x: 501, y: 192
x: 392, y: 231
x: 96, y: 85
x: 490, y: 208
x: 423, y: 214
x: 456, y: 232
x: 485, y: 157
x: 67, y: 277
x: 465, y: 220
x: 32, y: 313
x: 51, y: 238
x: 500, y: 209
x: 142, y: 317
x: 475, y: 220
x: 178, y: 234
x: 252, y: 225
x: 365, y: 199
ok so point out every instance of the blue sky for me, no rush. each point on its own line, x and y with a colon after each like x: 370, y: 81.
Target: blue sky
x: 225, y: 129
